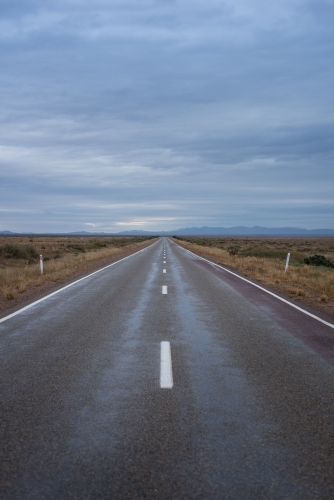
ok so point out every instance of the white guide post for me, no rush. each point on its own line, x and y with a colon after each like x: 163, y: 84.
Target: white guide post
x: 287, y: 262
x: 41, y: 263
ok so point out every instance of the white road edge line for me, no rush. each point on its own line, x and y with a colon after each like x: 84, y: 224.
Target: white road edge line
x: 166, y: 372
x: 71, y: 284
x: 261, y: 288
x: 164, y: 289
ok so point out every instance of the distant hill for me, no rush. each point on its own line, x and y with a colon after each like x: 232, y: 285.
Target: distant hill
x: 236, y: 231
x: 138, y: 232
x: 208, y: 231
x: 83, y: 233
x: 251, y: 231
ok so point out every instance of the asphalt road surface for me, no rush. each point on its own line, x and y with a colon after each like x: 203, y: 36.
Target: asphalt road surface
x: 189, y: 383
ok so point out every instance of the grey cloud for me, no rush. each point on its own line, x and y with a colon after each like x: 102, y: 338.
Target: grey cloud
x: 205, y: 107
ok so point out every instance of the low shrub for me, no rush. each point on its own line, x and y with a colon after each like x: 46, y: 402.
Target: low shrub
x: 18, y: 251
x: 318, y: 260
x: 78, y: 248
x: 234, y: 250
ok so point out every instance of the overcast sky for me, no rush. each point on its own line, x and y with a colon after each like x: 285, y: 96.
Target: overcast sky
x: 160, y: 114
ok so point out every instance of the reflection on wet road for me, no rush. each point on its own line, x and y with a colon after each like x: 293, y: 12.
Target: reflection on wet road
x: 85, y: 408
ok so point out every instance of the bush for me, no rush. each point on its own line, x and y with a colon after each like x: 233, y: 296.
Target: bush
x: 78, y: 248
x: 17, y: 251
x: 233, y: 250
x: 318, y: 260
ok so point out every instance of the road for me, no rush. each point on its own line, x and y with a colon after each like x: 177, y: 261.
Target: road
x: 236, y: 403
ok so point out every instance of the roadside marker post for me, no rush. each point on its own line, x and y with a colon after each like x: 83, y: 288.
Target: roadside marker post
x: 287, y: 262
x: 41, y: 263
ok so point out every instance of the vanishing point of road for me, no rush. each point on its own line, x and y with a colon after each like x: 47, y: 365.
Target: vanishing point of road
x: 163, y: 376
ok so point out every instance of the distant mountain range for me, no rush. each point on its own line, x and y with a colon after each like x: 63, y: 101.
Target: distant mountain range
x: 237, y: 231
x: 207, y: 231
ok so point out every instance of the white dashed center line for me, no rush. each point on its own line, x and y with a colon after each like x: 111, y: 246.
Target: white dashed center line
x: 164, y: 289
x: 164, y: 270
x: 164, y: 262
x: 166, y: 373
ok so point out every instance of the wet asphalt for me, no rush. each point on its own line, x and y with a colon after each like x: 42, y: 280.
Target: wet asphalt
x: 250, y: 415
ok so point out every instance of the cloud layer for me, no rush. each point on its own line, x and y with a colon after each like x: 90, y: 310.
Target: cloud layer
x: 161, y: 114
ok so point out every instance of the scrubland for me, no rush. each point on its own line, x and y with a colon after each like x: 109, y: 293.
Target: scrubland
x: 263, y: 260
x: 63, y: 257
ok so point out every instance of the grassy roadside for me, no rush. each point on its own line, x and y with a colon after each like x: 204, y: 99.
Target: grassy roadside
x: 263, y: 260
x: 64, y: 257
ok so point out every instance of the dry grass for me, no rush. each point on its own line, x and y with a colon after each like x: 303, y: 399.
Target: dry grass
x: 63, y: 257
x: 263, y: 259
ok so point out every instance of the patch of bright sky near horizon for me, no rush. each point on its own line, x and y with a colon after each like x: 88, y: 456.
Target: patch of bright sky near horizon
x: 160, y: 114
